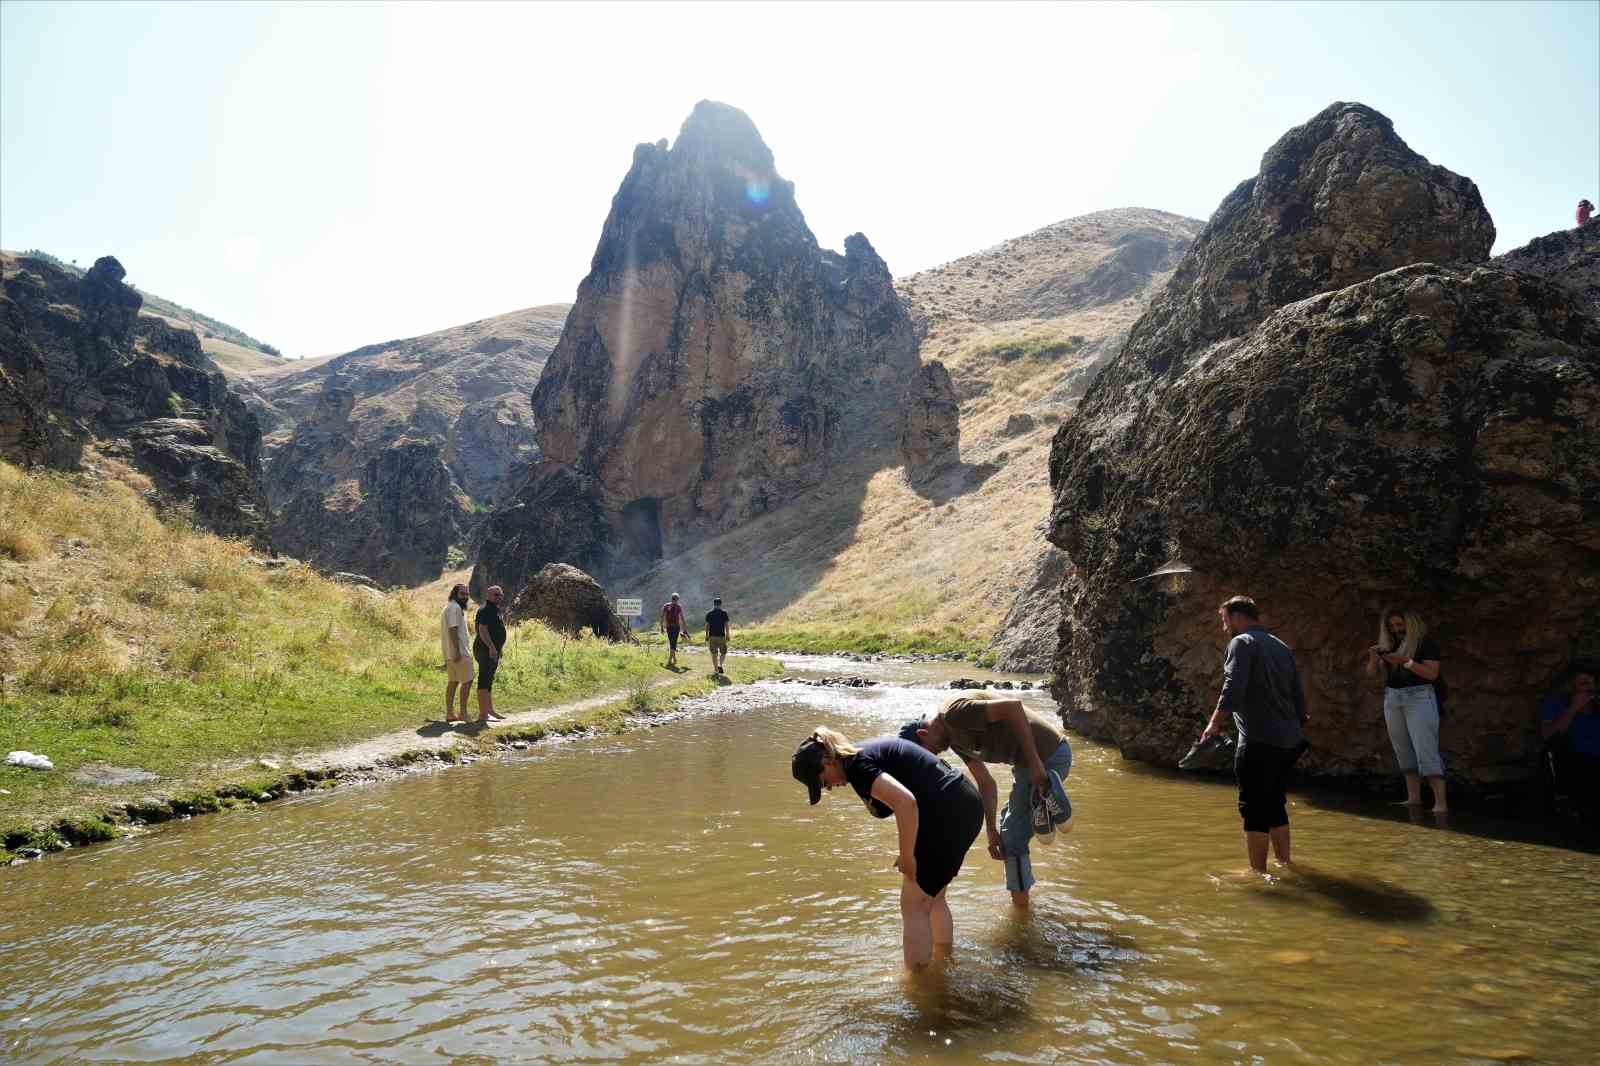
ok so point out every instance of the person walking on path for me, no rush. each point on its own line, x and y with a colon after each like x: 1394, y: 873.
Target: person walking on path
x: 1410, y: 661
x: 1585, y: 210
x: 937, y: 814
x: 985, y: 729
x: 717, y: 633
x: 456, y: 645
x: 1261, y: 689
x: 487, y: 648
x: 671, y: 623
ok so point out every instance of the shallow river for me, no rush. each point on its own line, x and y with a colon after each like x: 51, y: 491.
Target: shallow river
x: 669, y: 896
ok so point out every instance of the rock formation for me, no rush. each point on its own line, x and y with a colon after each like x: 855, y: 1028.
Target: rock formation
x: 569, y: 601
x: 81, y: 368
x: 1332, y: 406
x: 382, y: 458
x: 930, y: 423
x: 1569, y: 257
x: 716, y: 363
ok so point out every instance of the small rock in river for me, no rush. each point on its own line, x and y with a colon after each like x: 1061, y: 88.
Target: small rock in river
x: 1289, y: 958
x: 269, y: 764
x: 519, y: 744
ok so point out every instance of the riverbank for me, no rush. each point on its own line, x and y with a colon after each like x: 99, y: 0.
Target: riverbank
x: 433, y: 745
x: 145, y: 657
x: 861, y: 637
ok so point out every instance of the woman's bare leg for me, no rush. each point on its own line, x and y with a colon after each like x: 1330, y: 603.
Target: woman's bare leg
x: 916, y: 908
x: 1437, y: 785
x: 944, y: 926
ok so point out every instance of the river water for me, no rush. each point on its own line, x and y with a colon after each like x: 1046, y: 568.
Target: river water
x: 669, y: 896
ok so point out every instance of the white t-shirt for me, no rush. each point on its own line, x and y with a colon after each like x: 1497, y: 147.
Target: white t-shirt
x: 454, y: 618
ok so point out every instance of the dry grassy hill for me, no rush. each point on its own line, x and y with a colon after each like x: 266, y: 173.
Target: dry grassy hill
x: 1022, y: 328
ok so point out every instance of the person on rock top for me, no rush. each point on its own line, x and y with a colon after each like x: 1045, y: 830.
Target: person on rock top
x: 1261, y: 689
x: 456, y: 645
x: 717, y: 633
x: 983, y: 728
x: 1585, y: 210
x: 671, y: 623
x: 1410, y: 661
x: 486, y: 649
x: 937, y: 814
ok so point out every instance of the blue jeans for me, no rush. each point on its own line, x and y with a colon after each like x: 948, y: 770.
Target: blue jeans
x: 1412, y: 715
x: 1016, y: 820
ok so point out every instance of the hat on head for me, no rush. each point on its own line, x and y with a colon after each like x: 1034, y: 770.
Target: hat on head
x: 909, y: 730
x: 807, y: 765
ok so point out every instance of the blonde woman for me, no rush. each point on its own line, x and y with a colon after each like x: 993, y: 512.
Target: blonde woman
x: 1410, y: 662
x: 936, y: 809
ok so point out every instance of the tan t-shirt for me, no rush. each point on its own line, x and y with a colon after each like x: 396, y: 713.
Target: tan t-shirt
x: 973, y: 736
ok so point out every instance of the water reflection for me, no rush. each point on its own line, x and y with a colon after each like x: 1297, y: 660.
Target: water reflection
x: 669, y: 895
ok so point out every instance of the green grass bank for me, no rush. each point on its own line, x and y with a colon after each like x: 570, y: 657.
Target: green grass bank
x: 134, y: 641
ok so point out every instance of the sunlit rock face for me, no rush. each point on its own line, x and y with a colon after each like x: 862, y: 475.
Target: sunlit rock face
x: 81, y: 369
x: 1336, y: 404
x: 716, y: 363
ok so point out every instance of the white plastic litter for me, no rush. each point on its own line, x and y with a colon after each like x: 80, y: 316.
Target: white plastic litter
x: 30, y: 760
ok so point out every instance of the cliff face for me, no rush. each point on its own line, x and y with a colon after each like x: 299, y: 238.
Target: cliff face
x: 1333, y: 406
x: 380, y: 459
x: 716, y: 362
x: 81, y: 368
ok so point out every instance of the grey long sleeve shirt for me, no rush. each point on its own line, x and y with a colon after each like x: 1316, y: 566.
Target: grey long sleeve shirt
x: 1261, y: 687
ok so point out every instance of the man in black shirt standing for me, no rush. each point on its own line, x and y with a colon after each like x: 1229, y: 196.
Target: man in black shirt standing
x: 486, y: 648
x: 1261, y: 688
x: 717, y: 633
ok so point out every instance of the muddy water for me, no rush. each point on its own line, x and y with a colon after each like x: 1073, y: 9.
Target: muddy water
x: 669, y: 896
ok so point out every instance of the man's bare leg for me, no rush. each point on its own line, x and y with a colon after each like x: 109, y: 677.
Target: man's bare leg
x: 1280, y: 844
x: 1437, y: 784
x: 917, y: 924
x: 450, y: 701
x: 1255, y: 846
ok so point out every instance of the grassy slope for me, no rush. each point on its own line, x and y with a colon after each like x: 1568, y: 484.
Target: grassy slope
x: 135, y: 642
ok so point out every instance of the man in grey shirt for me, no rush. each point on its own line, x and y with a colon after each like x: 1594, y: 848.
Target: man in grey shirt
x: 1261, y: 689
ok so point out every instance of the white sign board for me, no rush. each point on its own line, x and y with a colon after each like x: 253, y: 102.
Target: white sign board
x: 630, y: 608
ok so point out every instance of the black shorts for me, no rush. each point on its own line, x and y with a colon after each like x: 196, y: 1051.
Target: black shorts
x: 672, y: 637
x: 945, y: 834
x: 486, y: 669
x: 1263, y: 775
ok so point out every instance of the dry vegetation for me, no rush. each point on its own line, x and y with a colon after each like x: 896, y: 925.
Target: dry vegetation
x: 132, y: 640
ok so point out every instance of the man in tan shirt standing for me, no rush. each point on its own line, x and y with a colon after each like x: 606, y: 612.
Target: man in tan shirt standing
x: 455, y: 641
x: 982, y: 729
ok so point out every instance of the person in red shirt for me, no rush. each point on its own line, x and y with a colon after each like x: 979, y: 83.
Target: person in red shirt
x: 1585, y: 210
x: 672, y: 622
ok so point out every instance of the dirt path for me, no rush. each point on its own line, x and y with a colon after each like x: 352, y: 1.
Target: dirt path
x: 437, y: 737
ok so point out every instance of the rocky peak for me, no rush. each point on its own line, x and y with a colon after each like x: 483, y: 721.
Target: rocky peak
x: 930, y: 423
x: 716, y: 362
x: 1336, y: 201
x: 1569, y: 257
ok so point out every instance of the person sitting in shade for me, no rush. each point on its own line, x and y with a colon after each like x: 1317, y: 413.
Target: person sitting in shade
x: 1569, y: 721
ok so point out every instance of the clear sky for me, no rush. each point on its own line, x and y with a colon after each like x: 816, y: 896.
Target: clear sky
x: 330, y: 175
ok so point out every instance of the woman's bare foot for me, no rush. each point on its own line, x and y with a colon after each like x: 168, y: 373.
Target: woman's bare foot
x: 1409, y: 802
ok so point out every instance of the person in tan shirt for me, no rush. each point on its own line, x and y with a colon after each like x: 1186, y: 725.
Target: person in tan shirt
x: 983, y: 729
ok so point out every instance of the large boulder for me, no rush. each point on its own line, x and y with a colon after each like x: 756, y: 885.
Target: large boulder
x: 1349, y: 425
x: 930, y: 423
x: 569, y: 601
x: 717, y: 362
